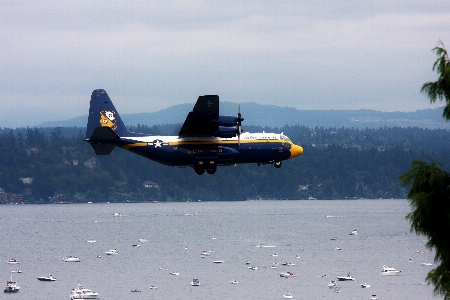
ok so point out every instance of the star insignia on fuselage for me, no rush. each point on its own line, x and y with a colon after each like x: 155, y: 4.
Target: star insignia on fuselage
x: 158, y: 144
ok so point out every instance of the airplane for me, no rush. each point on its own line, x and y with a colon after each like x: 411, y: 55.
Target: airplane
x: 206, y: 139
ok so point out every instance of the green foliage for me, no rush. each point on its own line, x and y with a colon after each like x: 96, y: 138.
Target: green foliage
x: 338, y: 163
x: 429, y: 197
x: 429, y: 194
x: 440, y: 89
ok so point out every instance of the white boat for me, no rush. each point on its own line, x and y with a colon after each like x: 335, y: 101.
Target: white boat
x: 80, y: 292
x: 91, y: 241
x: 16, y: 271
x: 253, y: 268
x: 346, y: 278
x: 195, y: 282
x: 46, y: 278
x: 354, y: 232
x: 426, y: 264
x: 288, y: 264
x: 374, y: 297
x: 365, y: 285
x: 112, y: 252
x: 287, y: 274
x: 72, y: 259
x: 218, y: 261
x: 117, y: 214
x: 204, y: 254
x: 234, y: 281
x: 287, y: 296
x: 337, y: 248
x: 153, y: 287
x: 11, y: 286
x: 385, y: 270
x: 12, y: 261
x: 332, y: 284
x: 142, y: 240
x: 264, y: 246
x: 174, y: 273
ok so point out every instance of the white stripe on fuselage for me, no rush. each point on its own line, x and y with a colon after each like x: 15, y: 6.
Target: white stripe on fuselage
x: 245, y: 137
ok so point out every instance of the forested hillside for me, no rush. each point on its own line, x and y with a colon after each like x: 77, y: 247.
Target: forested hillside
x: 48, y: 165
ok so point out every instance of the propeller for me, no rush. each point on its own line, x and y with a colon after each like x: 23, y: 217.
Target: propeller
x: 239, y: 124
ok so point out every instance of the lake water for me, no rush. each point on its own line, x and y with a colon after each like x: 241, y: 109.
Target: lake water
x: 39, y: 236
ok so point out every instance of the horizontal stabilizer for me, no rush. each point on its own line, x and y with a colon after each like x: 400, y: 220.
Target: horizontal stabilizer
x: 103, y: 149
x: 103, y: 140
x: 103, y: 134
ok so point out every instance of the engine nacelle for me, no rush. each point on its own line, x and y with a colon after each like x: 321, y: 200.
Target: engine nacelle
x: 226, y: 121
x: 225, y: 132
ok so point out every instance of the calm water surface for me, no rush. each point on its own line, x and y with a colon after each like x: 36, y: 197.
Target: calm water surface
x: 39, y: 236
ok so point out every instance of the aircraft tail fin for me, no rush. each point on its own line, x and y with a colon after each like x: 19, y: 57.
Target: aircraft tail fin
x: 103, y: 114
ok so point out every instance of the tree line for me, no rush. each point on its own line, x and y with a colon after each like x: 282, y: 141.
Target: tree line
x: 48, y: 165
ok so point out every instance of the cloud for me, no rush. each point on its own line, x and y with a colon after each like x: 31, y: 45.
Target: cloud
x: 308, y: 54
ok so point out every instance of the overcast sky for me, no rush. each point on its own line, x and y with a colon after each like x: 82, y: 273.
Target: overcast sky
x: 149, y: 55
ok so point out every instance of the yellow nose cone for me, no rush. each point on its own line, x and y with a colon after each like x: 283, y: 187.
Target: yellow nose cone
x: 296, y: 151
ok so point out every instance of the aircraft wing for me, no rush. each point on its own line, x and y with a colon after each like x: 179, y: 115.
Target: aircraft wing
x: 204, y: 120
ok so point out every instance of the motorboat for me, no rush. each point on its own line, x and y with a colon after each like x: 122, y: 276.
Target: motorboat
x: 218, y: 261
x: 365, y: 285
x: 337, y: 248
x: 72, y: 259
x: 174, y: 273
x: 80, y: 292
x: 16, y: 271
x: 142, y: 240
x: 253, y: 268
x: 153, y: 287
x: 117, y: 214
x: 136, y: 245
x: 332, y: 284
x: 47, y: 278
x: 346, y: 278
x: 234, y: 281
x: 204, y: 254
x: 288, y: 264
x: 426, y: 264
x: 135, y: 291
x: 287, y: 296
x: 287, y: 274
x: 112, y: 252
x: 354, y: 232
x: 91, y: 241
x: 374, y: 297
x: 264, y: 246
x: 11, y: 286
x: 385, y: 270
x: 195, y: 282
x: 12, y: 261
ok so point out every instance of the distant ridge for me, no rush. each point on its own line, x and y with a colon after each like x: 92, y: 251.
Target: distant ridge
x: 276, y: 116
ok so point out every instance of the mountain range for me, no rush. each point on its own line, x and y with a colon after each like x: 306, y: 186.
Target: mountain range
x: 276, y: 116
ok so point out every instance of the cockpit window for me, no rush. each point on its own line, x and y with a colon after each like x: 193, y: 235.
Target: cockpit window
x: 283, y: 137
